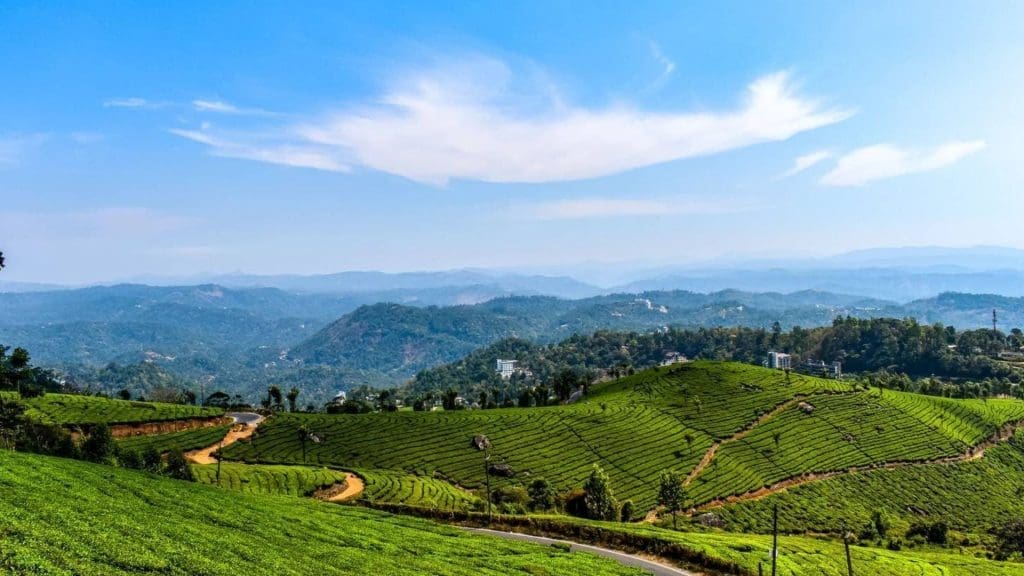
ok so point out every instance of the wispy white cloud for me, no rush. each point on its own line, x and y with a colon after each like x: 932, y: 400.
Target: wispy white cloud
x: 87, y: 137
x: 221, y: 107
x: 300, y: 155
x: 883, y: 161
x: 473, y: 122
x: 668, y: 67
x: 14, y: 146
x: 587, y: 208
x: 805, y: 161
x: 133, y: 102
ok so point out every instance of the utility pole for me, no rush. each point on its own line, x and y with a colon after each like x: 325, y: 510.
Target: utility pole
x: 775, y: 534
x: 219, y: 458
x: 487, y: 476
x: 993, y: 321
x: 846, y: 544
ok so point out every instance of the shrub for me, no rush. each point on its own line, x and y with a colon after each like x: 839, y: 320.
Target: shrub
x: 627, y: 511
x: 600, y: 501
x: 131, y: 459
x: 177, y: 466
x: 99, y: 445
x: 542, y: 496
x: 151, y: 459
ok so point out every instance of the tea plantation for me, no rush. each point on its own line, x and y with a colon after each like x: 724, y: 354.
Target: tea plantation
x: 69, y: 517
x: 799, y: 555
x: 423, y: 492
x: 69, y: 409
x: 969, y: 497
x: 185, y: 440
x: 753, y: 426
x: 268, y: 479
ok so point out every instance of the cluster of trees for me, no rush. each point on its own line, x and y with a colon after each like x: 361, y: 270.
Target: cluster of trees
x: 18, y: 374
x: 594, y: 500
x: 18, y: 432
x: 963, y: 360
x: 275, y: 399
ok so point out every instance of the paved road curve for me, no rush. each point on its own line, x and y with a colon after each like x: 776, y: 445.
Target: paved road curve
x: 620, y: 557
x: 250, y: 419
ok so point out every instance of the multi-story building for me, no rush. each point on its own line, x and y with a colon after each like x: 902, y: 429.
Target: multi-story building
x: 779, y: 360
x: 505, y: 367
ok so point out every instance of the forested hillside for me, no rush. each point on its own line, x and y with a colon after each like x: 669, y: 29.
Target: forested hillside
x: 886, y: 346
x: 244, y: 340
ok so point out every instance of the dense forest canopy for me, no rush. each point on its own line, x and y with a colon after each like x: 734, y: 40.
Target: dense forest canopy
x: 886, y: 346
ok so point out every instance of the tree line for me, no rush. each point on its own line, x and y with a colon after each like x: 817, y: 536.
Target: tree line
x: 928, y: 358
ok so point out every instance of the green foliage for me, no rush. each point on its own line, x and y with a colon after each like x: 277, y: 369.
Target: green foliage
x: 99, y: 444
x: 176, y: 466
x: 422, y: 491
x: 599, y: 499
x: 968, y: 496
x: 671, y: 492
x: 268, y: 479
x: 1010, y: 538
x: 186, y: 440
x: 627, y: 512
x: 643, y: 430
x: 68, y: 409
x: 542, y: 495
x: 178, y: 529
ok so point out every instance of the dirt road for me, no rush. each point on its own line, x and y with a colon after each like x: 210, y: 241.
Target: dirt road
x: 245, y: 425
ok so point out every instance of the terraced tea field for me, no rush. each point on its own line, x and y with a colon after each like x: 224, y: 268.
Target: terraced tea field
x: 738, y: 428
x: 968, y: 496
x: 186, y: 440
x: 854, y: 430
x: 389, y: 486
x: 268, y: 479
x: 70, y: 409
x: 68, y: 517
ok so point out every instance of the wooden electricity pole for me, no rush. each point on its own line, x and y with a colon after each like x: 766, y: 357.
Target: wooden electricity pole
x: 846, y: 544
x: 219, y: 458
x: 487, y: 476
x: 775, y: 536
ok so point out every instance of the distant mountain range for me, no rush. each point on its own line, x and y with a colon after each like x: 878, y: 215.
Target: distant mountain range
x: 243, y: 339
x: 898, y: 274
x: 325, y: 333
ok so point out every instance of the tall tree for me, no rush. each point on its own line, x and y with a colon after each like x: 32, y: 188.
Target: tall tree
x: 275, y: 397
x: 293, y: 396
x: 670, y: 493
x: 600, y: 501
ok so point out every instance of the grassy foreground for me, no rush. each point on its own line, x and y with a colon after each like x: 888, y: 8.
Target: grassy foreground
x: 69, y: 517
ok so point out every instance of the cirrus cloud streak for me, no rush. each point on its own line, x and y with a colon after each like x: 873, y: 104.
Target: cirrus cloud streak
x: 441, y: 125
x: 883, y: 161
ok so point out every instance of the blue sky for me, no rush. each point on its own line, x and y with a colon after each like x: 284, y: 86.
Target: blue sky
x: 215, y: 137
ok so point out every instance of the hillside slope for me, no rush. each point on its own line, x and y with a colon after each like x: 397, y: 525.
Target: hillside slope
x: 68, y: 517
x: 734, y: 428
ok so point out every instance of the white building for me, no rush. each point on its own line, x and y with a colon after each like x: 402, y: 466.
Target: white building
x: 505, y: 367
x: 779, y: 361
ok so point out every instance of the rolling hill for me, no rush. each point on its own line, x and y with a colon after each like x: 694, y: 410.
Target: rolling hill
x: 734, y: 429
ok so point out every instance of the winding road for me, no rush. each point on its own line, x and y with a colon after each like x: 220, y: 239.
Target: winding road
x: 245, y: 425
x: 651, y: 566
